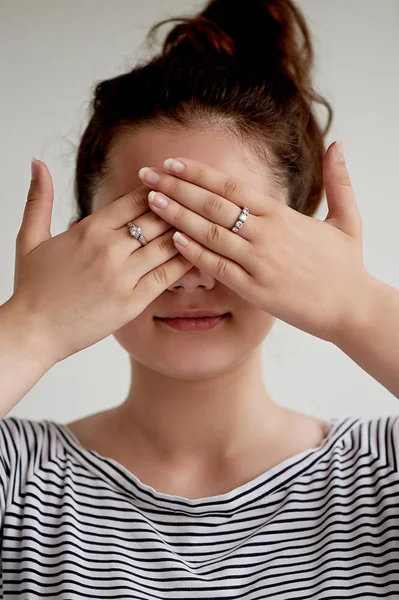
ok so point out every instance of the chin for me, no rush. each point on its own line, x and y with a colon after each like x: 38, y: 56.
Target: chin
x: 194, y: 355
x: 192, y: 368
x: 189, y: 360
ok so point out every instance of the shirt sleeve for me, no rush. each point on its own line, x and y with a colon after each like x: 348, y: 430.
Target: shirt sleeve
x: 21, y: 442
x: 389, y: 440
x: 9, y: 444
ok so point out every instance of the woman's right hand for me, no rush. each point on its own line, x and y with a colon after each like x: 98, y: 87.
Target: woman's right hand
x: 89, y: 281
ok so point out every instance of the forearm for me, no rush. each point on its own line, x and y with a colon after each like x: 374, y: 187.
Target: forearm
x: 371, y: 336
x: 23, y: 358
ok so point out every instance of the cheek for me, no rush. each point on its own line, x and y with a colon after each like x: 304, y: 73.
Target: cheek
x: 135, y: 337
x: 255, y: 324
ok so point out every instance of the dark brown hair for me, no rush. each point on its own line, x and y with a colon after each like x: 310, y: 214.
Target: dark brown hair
x: 245, y: 66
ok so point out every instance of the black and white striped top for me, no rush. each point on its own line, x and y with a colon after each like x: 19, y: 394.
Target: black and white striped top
x: 321, y: 524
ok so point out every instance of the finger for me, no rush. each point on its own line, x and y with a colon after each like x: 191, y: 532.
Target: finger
x: 211, y: 206
x: 209, y: 234
x: 219, y: 267
x: 236, y: 191
x: 119, y: 212
x: 152, y: 255
x: 151, y: 225
x: 36, y: 222
x: 159, y: 279
x: 343, y: 211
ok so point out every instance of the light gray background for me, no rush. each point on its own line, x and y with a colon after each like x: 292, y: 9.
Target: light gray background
x: 53, y: 53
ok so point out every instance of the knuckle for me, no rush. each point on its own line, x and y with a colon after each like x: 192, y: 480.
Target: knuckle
x: 160, y: 275
x: 86, y: 230
x: 230, y: 187
x: 344, y: 180
x: 174, y: 187
x: 212, y: 233
x: 97, y: 245
x: 165, y: 244
x: 32, y: 195
x: 222, y: 267
x: 212, y: 205
x: 179, y: 213
x: 108, y: 253
x: 137, y: 199
x: 280, y: 215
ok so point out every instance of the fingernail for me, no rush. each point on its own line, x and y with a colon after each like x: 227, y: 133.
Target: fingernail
x: 180, y: 239
x: 340, y: 151
x: 148, y: 175
x: 34, y: 168
x: 157, y: 199
x: 174, y: 165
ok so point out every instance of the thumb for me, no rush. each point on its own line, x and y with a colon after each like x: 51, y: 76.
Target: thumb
x: 35, y: 227
x: 343, y: 211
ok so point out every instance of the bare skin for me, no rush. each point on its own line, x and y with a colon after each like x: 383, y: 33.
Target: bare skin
x: 103, y: 433
x: 197, y: 420
x: 106, y: 433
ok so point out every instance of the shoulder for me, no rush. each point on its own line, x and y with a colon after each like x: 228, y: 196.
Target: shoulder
x: 24, y: 446
x: 382, y: 434
x: 377, y: 437
x: 23, y: 438
x: 18, y: 427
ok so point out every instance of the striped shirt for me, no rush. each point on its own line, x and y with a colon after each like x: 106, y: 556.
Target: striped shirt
x: 322, y: 524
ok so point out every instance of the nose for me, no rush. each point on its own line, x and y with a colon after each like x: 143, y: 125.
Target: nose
x: 193, y: 279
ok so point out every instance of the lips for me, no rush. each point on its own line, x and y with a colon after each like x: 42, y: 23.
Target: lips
x: 192, y: 324
x: 192, y: 314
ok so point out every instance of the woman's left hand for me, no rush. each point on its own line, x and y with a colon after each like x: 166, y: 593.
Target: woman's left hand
x: 306, y: 272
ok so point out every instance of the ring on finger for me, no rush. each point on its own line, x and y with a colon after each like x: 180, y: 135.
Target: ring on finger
x: 135, y: 232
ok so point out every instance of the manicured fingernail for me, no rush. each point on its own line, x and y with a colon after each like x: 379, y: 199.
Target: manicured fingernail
x: 339, y: 151
x: 174, y: 165
x: 157, y: 199
x: 34, y: 168
x: 180, y: 239
x: 148, y: 175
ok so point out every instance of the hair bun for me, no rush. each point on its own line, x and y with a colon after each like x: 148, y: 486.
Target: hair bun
x: 201, y: 35
x: 263, y: 37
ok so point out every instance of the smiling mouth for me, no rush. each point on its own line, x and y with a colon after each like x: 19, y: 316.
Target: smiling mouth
x: 193, y: 323
x: 195, y: 314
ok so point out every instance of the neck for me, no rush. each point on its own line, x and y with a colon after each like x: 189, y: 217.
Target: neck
x: 199, y: 421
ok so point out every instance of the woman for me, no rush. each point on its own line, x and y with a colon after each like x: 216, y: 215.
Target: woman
x: 199, y: 485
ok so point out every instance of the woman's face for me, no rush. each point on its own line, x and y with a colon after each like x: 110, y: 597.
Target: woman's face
x: 173, y: 353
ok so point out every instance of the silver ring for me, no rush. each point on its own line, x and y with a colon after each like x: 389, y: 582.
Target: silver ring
x: 241, y: 219
x: 136, y: 233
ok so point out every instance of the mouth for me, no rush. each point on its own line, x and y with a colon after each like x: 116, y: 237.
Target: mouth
x: 194, y: 321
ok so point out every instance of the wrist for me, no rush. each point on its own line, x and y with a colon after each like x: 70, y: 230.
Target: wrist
x: 361, y: 313
x: 30, y: 333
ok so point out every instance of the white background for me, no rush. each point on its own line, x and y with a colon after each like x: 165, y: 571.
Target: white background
x: 52, y: 55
